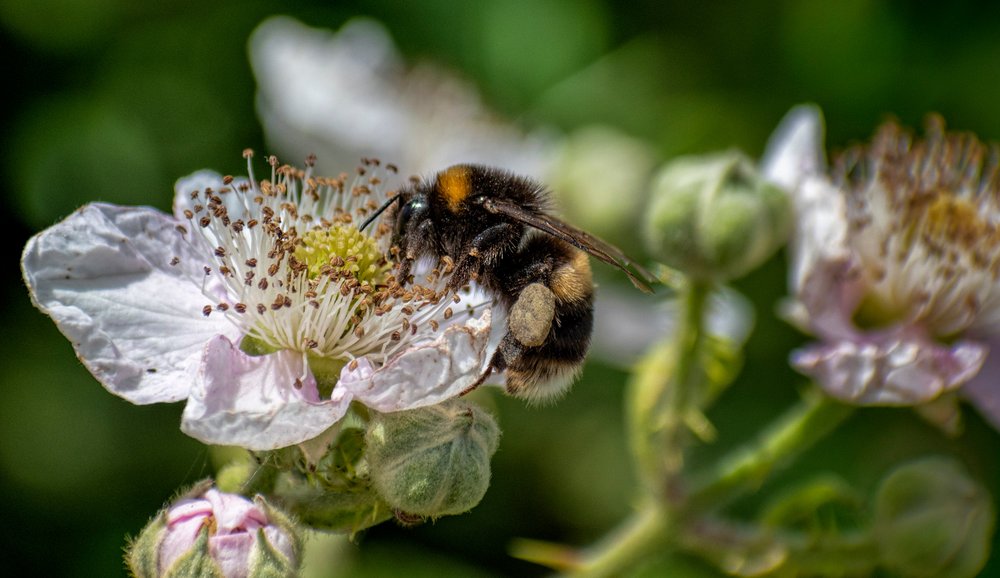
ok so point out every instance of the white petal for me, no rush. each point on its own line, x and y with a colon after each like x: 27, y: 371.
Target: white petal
x: 795, y: 149
x: 825, y: 274
x: 898, y: 369
x: 823, y: 271
x: 424, y: 375
x: 105, y: 278
x: 257, y: 402
x: 344, y: 94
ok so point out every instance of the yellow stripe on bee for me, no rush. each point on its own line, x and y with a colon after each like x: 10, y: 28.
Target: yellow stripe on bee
x: 454, y: 185
x: 572, y: 280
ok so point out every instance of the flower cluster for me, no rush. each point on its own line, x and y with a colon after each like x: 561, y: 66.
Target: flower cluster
x: 259, y: 302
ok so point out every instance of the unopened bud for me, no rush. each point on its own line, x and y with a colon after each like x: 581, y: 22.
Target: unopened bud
x: 715, y: 217
x: 211, y: 533
x: 432, y: 461
x: 600, y: 178
x: 932, y: 519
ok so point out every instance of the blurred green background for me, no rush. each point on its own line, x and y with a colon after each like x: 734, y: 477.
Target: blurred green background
x: 114, y: 100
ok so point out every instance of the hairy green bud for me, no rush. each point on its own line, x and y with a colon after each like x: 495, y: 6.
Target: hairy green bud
x: 932, y: 519
x: 432, y: 461
x: 715, y: 217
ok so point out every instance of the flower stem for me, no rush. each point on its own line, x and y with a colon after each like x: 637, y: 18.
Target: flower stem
x: 809, y: 421
x: 262, y: 480
x: 678, y: 397
x: 746, y: 549
x: 647, y: 532
x: 656, y: 528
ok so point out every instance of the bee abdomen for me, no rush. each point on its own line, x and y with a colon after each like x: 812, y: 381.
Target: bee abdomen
x: 545, y: 371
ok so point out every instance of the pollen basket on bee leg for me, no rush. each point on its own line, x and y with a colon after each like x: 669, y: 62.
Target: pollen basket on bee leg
x: 531, y: 316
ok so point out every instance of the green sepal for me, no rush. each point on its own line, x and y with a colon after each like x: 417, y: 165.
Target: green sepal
x: 343, y: 510
x: 142, y: 556
x: 197, y: 561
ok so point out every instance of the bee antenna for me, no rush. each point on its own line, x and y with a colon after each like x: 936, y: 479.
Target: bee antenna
x: 378, y: 212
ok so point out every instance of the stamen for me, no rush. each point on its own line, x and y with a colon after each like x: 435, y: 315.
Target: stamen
x: 328, y: 290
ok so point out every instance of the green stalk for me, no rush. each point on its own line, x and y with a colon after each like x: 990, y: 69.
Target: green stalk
x: 746, y: 549
x: 657, y: 527
x: 647, y: 532
x: 689, y: 377
x: 746, y: 468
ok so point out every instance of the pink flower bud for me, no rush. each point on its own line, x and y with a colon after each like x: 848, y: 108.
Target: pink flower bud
x: 218, y: 533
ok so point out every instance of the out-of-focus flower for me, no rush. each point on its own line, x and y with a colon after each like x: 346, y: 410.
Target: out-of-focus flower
x: 259, y: 302
x: 599, y: 176
x: 347, y: 94
x: 715, y: 217
x: 895, y: 261
x: 217, y: 534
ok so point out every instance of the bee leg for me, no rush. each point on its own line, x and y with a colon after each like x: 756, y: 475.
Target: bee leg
x: 484, y: 248
x: 403, y: 273
x: 482, y: 378
x: 509, y: 348
x: 412, y: 247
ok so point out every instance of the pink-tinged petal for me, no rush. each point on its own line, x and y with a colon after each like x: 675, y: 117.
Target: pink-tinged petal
x: 423, y: 375
x: 105, y: 277
x: 983, y: 391
x: 257, y: 402
x: 824, y: 270
x: 795, y: 149
x: 234, y: 513
x: 899, y: 369
x: 185, y: 522
x: 828, y: 292
x: 232, y: 553
x: 188, y: 510
x: 825, y: 274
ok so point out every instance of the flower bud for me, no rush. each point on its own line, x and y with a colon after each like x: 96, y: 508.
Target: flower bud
x: 433, y: 461
x: 715, y: 217
x: 600, y: 177
x: 211, y: 533
x: 932, y: 519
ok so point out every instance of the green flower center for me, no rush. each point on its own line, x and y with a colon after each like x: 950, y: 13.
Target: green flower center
x: 340, y: 250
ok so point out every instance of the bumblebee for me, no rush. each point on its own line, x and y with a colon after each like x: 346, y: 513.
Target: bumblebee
x: 494, y: 226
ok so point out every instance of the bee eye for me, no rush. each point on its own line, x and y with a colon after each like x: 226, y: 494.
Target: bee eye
x: 414, y: 207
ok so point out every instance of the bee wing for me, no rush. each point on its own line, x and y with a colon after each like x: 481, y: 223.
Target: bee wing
x: 583, y: 240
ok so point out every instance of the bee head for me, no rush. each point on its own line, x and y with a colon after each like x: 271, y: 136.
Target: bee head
x: 413, y: 210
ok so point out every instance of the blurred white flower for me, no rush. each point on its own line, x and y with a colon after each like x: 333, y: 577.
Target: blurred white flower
x: 258, y: 302
x: 895, y: 261
x: 342, y: 95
